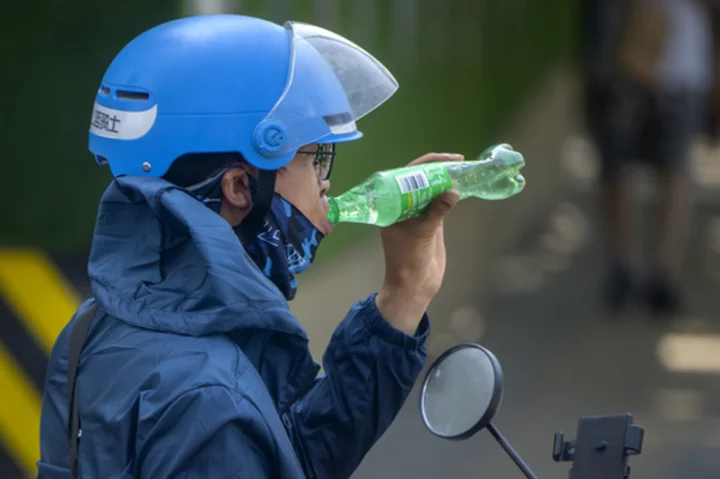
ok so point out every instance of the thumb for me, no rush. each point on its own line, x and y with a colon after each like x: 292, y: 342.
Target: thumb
x: 441, y: 206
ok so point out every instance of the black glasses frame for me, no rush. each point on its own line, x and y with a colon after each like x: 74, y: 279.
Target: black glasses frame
x: 322, y: 158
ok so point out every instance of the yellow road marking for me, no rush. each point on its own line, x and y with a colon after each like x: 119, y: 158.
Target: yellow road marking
x: 19, y: 414
x: 37, y: 292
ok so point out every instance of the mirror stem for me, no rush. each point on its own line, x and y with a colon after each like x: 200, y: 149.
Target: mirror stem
x: 511, y: 452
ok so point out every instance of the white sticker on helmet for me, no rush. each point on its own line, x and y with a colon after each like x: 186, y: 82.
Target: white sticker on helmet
x: 120, y: 124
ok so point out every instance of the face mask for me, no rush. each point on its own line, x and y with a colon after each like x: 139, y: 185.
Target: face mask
x: 285, y: 245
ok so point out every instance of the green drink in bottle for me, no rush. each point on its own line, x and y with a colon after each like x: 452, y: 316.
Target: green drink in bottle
x: 390, y: 196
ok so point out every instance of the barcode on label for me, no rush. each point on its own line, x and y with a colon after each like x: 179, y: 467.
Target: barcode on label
x: 412, y: 182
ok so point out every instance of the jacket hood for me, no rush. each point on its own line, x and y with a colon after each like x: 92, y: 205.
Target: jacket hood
x: 162, y: 260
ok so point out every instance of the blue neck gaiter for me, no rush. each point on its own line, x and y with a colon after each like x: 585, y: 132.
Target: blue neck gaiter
x: 285, y: 245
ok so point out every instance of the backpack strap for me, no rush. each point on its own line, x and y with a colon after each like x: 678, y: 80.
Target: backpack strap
x: 78, y: 336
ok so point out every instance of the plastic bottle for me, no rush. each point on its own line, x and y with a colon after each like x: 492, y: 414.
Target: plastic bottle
x: 390, y: 196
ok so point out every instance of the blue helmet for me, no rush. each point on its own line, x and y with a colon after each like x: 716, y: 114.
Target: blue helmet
x: 231, y: 83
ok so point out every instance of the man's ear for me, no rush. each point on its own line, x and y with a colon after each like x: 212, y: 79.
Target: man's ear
x: 236, y: 189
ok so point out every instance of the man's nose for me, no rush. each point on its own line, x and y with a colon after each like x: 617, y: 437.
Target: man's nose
x: 324, y: 187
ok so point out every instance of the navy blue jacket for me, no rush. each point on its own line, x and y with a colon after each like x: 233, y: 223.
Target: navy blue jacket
x: 195, y: 367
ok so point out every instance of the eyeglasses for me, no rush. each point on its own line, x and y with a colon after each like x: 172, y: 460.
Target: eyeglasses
x: 322, y: 158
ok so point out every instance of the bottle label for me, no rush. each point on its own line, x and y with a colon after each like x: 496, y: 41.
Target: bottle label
x: 419, y: 185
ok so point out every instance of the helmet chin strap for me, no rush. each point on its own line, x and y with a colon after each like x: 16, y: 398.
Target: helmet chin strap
x: 262, y: 199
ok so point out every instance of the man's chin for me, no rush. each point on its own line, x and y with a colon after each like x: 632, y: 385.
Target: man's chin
x: 326, y: 228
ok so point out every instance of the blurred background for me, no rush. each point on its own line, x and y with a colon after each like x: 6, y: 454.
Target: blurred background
x: 595, y: 287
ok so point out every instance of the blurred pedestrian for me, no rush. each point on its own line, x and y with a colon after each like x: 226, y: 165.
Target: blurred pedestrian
x: 648, y: 72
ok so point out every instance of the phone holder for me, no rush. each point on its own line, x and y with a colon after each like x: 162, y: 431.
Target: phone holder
x: 602, y: 447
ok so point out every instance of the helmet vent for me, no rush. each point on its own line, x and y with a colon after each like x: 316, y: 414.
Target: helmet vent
x: 105, y: 91
x: 132, y: 95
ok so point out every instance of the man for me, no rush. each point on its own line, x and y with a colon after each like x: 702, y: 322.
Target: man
x: 648, y: 75
x: 220, y: 132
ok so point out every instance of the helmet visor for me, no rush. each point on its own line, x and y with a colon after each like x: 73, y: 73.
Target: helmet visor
x: 331, y: 84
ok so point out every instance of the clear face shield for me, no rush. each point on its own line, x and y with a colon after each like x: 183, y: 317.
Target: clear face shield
x: 331, y: 84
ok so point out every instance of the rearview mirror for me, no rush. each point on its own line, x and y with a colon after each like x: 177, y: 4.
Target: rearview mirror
x: 461, y: 392
x: 460, y: 395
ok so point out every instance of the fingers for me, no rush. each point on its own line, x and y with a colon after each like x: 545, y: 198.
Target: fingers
x: 435, y: 157
x: 440, y: 207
